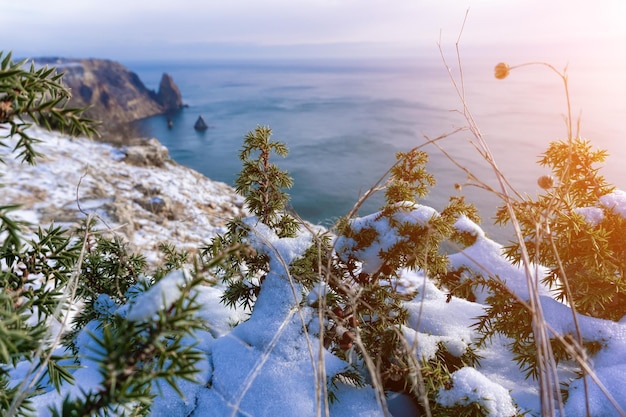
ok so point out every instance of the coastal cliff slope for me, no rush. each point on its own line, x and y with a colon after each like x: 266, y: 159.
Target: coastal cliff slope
x: 115, y: 93
x: 137, y: 191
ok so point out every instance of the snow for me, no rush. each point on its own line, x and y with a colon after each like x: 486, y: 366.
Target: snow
x: 79, y: 177
x: 612, y: 376
x: 386, y: 236
x: 615, y: 201
x: 431, y: 314
x: 469, y: 385
x: 592, y: 215
x: 485, y: 255
x: 160, y: 296
x: 269, y: 363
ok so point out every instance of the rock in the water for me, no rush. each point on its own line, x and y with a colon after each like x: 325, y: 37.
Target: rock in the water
x: 200, y: 124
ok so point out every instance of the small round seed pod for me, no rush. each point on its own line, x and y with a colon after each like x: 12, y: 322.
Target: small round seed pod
x: 502, y: 70
x: 546, y: 182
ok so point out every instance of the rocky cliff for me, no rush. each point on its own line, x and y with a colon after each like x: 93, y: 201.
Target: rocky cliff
x: 116, y: 94
x: 169, y: 95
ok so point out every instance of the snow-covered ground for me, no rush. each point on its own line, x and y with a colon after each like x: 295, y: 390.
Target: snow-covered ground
x: 267, y: 365
x: 150, y: 200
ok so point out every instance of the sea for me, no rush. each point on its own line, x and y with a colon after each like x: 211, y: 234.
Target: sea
x: 344, y: 121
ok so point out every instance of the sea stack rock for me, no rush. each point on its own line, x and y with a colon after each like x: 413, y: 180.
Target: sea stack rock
x: 169, y: 95
x: 200, y: 124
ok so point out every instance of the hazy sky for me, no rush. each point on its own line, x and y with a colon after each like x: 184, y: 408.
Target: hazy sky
x: 124, y: 29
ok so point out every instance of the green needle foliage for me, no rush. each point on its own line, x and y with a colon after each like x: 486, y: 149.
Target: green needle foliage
x: 586, y: 257
x: 133, y: 355
x: 36, y: 95
x: 37, y: 272
x: 409, y: 178
x: 262, y: 183
x: 377, y: 314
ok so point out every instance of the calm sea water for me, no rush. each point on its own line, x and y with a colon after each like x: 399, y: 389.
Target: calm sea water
x: 344, y: 121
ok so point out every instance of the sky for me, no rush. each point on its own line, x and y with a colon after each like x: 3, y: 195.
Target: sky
x: 161, y: 29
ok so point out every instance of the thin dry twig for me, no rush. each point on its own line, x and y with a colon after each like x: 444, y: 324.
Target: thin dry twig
x: 548, y: 379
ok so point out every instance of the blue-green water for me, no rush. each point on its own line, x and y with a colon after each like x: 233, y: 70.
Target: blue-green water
x: 344, y: 121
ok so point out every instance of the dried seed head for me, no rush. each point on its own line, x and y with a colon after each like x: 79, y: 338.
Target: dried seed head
x: 502, y: 70
x: 546, y: 182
